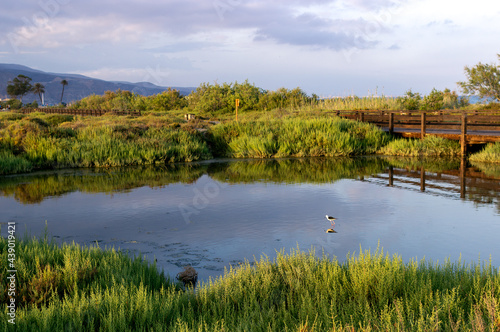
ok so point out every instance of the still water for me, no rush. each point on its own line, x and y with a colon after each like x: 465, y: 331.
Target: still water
x: 215, y: 214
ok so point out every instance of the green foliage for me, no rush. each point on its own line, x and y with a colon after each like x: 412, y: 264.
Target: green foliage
x: 87, y: 289
x: 19, y: 87
x: 433, y: 101
x: 490, y: 154
x: 297, y: 137
x: 125, y: 100
x: 482, y: 80
x: 430, y: 146
x: 14, y: 104
x: 167, y: 100
x: 286, y: 99
x: 218, y: 99
x: 410, y: 101
x: 53, y: 141
x: 38, y: 89
x: 11, y: 164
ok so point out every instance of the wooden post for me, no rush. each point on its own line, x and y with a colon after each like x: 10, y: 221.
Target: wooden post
x: 463, y: 135
x: 422, y: 179
x: 391, y: 123
x: 391, y: 175
x: 237, y: 104
x: 422, y: 126
x: 463, y: 182
x: 362, y: 116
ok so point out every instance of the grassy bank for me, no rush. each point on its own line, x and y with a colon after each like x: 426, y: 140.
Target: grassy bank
x: 45, y: 141
x: 87, y: 289
x: 40, y: 141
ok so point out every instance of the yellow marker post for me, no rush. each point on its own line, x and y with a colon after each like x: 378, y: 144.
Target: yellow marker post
x: 237, y: 104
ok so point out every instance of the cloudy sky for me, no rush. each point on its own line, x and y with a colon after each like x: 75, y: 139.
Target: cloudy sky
x: 327, y: 47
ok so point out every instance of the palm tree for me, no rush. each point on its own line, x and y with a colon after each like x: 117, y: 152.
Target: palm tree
x: 38, y: 89
x: 64, y: 83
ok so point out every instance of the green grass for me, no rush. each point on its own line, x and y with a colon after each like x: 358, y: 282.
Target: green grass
x: 44, y: 141
x: 11, y: 164
x: 490, y: 154
x: 296, y: 137
x: 430, y: 146
x: 87, y: 289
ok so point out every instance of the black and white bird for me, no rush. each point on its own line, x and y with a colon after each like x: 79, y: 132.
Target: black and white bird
x: 331, y: 219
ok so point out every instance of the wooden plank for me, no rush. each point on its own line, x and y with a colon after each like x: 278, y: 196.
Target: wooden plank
x: 422, y: 126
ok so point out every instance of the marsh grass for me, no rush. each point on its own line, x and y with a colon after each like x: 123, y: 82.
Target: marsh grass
x: 11, y: 164
x: 360, y: 103
x: 56, y: 141
x: 490, y: 154
x: 296, y: 137
x: 430, y: 146
x: 77, y: 288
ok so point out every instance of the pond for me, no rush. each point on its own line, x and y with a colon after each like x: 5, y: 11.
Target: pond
x: 212, y: 215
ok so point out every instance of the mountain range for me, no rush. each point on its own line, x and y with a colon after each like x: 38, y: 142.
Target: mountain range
x: 78, y: 87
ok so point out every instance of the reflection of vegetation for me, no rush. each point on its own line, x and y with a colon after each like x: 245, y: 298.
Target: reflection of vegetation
x: 429, y: 164
x: 34, y: 188
x: 490, y: 169
x: 308, y: 170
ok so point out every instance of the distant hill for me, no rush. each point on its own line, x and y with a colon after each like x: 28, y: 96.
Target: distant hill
x: 78, y: 87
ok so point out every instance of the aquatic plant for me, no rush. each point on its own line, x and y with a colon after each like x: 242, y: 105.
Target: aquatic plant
x: 88, y: 289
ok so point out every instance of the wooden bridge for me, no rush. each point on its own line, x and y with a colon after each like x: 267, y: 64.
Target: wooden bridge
x: 82, y: 112
x: 468, y: 127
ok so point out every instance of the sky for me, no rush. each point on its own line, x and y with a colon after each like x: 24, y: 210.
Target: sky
x: 327, y: 47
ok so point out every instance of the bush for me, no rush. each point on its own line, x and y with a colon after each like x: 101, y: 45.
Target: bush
x: 411, y: 101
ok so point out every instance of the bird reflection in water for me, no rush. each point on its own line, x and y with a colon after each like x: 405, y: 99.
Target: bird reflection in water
x: 332, y: 222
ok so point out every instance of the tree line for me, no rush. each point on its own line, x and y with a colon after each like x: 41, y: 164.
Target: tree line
x: 21, y: 85
x: 483, y: 80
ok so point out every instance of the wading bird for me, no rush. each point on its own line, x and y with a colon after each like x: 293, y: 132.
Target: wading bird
x: 331, y: 219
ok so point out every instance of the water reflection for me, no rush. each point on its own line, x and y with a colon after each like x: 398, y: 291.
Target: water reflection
x: 444, y: 177
x: 212, y: 214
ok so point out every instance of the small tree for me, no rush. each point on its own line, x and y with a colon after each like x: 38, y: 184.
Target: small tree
x: 410, y: 101
x: 19, y: 87
x: 38, y: 89
x: 483, y: 80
